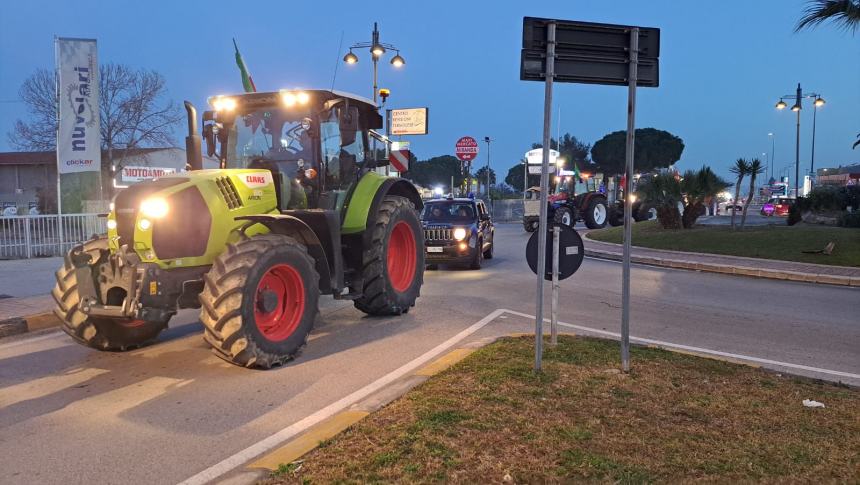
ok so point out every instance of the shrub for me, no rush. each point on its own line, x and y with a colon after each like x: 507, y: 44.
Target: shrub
x: 850, y: 219
x: 827, y: 198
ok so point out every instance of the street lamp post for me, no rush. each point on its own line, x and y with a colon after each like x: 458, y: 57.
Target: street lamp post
x: 798, y: 96
x: 815, y: 105
x: 377, y: 50
x: 487, y: 140
x: 772, y: 149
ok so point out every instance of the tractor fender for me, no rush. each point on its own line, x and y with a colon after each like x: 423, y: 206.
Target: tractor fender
x: 299, y: 230
x: 364, y: 201
x: 582, y: 200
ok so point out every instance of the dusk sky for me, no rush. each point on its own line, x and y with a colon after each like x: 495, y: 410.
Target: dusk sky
x: 723, y: 66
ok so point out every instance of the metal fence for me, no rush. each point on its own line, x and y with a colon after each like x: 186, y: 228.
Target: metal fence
x: 507, y: 210
x: 46, y: 235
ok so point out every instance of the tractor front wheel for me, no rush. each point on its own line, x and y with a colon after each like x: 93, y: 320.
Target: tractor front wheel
x: 98, y: 333
x: 393, y: 261
x: 259, y: 302
x: 563, y: 216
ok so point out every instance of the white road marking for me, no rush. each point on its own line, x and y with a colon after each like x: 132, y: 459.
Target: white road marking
x: 30, y: 345
x: 29, y: 340
x: 670, y: 345
x: 38, y: 388
x: 283, y: 435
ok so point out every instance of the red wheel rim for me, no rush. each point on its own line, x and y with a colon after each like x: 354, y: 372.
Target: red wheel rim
x: 279, y: 302
x: 401, y: 257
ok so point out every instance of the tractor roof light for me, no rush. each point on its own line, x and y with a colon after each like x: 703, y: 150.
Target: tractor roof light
x: 223, y: 103
x: 288, y: 98
x: 292, y: 98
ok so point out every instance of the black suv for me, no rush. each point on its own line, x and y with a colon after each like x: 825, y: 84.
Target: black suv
x: 457, y: 231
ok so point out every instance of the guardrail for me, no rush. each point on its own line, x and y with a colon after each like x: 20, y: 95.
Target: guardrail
x: 46, y: 235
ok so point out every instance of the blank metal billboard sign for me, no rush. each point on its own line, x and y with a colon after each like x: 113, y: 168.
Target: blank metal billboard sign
x: 589, y: 53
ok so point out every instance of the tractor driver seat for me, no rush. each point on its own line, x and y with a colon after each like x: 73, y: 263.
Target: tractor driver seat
x: 290, y: 194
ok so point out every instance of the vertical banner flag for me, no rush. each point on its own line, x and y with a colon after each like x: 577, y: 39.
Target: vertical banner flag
x: 78, y: 147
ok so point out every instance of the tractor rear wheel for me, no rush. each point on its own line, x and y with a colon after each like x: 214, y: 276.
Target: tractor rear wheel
x: 595, y: 214
x: 393, y: 261
x: 616, y: 216
x: 98, y: 333
x: 259, y: 301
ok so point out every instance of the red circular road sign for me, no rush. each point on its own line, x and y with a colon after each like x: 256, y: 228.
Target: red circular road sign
x: 466, y: 149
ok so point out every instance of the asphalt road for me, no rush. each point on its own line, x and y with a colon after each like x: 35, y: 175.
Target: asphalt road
x: 164, y: 413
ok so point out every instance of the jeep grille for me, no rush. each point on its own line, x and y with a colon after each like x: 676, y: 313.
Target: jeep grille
x: 440, y: 234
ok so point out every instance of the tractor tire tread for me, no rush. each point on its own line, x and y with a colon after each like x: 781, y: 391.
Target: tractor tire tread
x: 375, y: 300
x: 221, y: 301
x: 84, y: 329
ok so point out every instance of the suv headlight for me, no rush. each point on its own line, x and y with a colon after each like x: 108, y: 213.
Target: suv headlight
x: 154, y: 208
x: 459, y: 234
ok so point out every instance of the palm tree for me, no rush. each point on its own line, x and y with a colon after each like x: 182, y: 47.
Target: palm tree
x: 754, y: 169
x: 663, y: 191
x: 699, y: 188
x: 844, y: 13
x: 740, y: 169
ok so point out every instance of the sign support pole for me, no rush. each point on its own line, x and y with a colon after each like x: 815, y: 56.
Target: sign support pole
x: 549, y: 74
x: 57, y: 150
x: 628, y: 199
x: 553, y: 326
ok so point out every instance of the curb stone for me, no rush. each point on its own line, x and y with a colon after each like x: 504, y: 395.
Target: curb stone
x: 826, y: 279
x: 30, y: 323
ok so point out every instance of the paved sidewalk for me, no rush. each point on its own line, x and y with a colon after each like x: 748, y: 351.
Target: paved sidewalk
x: 28, y: 277
x: 756, y: 267
x: 25, y: 286
x: 26, y: 306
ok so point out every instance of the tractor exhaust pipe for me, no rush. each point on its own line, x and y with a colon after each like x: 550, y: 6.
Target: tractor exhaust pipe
x: 193, y: 142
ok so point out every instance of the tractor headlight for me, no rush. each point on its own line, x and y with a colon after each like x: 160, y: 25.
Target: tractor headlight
x: 111, y: 224
x: 459, y: 234
x: 155, y: 208
x: 144, y: 224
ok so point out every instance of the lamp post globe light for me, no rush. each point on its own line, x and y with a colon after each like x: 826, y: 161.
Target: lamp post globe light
x: 797, y: 107
x: 377, y: 51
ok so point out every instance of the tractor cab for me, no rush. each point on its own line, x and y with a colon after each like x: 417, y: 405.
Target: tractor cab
x: 315, y: 143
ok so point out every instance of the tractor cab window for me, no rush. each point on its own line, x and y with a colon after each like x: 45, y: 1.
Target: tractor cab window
x: 342, y: 149
x: 273, y: 135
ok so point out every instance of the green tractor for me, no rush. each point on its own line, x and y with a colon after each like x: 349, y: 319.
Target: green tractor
x: 296, y: 210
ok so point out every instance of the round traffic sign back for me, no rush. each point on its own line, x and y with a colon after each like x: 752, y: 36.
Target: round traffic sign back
x: 466, y: 148
x: 571, y: 251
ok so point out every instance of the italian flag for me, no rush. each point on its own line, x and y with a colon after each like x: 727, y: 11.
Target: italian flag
x: 247, y: 80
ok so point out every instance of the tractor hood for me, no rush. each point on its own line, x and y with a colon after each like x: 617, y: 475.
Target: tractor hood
x: 186, y: 219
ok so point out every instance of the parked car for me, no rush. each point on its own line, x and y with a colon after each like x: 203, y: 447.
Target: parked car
x: 457, y: 231
x: 776, y: 207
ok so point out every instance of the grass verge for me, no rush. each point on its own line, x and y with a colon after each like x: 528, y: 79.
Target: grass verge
x: 674, y: 417
x: 785, y: 243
